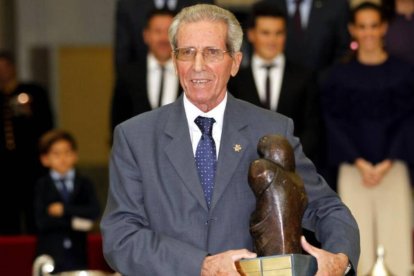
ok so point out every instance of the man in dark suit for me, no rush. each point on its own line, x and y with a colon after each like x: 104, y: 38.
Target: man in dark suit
x: 179, y: 202
x: 25, y: 114
x: 130, y: 23
x: 150, y: 82
x: 292, y: 89
x: 317, y: 31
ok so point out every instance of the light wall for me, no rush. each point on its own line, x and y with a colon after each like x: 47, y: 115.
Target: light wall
x: 51, y: 23
x: 75, y: 39
x: 85, y: 86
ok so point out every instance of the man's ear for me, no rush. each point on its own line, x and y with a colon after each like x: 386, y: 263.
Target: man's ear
x: 351, y: 28
x: 174, y: 63
x: 145, y: 36
x: 44, y: 159
x: 76, y: 156
x: 250, y: 34
x: 237, y: 58
x: 384, y: 28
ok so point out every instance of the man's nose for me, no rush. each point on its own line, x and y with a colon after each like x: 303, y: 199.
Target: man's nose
x: 199, y: 61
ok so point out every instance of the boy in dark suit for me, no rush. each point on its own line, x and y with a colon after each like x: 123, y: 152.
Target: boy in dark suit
x: 65, y: 204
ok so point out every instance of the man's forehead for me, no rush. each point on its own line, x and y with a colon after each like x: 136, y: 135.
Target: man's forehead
x: 203, y: 23
x: 157, y: 20
x: 218, y: 27
x: 265, y: 20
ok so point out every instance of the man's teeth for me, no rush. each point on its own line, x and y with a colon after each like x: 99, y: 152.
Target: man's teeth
x: 199, y: 81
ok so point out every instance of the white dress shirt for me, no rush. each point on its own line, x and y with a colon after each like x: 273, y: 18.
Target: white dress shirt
x: 69, y: 179
x: 305, y: 9
x: 170, y: 90
x: 171, y: 4
x: 192, y: 112
x: 276, y: 78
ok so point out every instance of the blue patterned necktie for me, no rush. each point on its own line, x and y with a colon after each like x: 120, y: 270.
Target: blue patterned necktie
x: 205, y: 156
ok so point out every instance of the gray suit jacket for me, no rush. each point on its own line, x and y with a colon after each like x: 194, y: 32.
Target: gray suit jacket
x: 156, y: 220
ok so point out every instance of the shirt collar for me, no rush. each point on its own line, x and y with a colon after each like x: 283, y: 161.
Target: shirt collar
x: 192, y: 112
x: 293, y: 2
x: 153, y: 63
x: 258, y: 62
x: 70, y: 175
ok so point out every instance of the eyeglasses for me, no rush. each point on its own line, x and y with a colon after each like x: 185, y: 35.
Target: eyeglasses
x: 210, y: 54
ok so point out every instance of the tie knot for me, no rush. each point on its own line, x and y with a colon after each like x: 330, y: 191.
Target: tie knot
x: 205, y: 124
x: 268, y: 67
x: 298, y: 2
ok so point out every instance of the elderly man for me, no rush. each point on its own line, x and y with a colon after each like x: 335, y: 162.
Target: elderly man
x: 179, y: 202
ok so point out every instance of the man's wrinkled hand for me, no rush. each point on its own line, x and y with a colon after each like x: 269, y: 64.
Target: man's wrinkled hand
x: 329, y: 264
x: 224, y: 263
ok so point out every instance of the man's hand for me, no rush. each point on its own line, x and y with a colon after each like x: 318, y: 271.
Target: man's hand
x: 329, y: 264
x: 372, y: 174
x: 55, y: 209
x: 224, y: 263
x: 382, y: 168
x: 367, y: 171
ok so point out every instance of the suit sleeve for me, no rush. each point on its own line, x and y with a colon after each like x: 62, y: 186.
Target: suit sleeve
x: 312, y: 129
x: 336, y: 106
x: 124, y: 45
x: 333, y: 224
x: 88, y: 205
x: 121, y: 108
x: 342, y: 36
x: 44, y: 221
x: 129, y: 243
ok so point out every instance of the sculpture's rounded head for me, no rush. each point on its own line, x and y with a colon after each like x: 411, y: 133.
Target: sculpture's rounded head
x: 261, y: 175
x: 277, y: 149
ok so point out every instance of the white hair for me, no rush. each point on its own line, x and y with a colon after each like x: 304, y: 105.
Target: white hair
x: 213, y: 13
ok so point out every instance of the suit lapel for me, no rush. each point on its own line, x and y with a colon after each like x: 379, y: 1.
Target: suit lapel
x: 180, y: 152
x: 231, y: 147
x: 52, y: 186
x: 76, y: 187
x: 136, y: 81
x: 245, y: 86
x: 284, y: 90
x: 315, y: 17
x: 252, y: 87
x: 145, y: 103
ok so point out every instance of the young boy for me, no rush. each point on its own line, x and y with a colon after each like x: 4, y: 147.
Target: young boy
x: 65, y: 204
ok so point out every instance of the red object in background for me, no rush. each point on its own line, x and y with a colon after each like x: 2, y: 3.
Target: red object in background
x: 96, y: 260
x: 17, y: 254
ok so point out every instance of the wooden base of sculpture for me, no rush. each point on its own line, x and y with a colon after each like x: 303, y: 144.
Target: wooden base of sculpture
x: 280, y: 265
